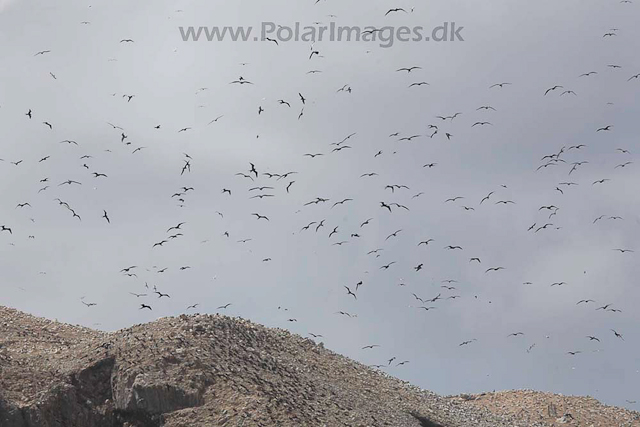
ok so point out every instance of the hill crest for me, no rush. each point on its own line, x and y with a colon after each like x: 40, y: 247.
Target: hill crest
x: 204, y: 370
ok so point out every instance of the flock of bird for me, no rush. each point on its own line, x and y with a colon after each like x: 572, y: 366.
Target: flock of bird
x: 256, y: 181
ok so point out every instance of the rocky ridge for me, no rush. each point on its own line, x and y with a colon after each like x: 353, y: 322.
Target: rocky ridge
x: 205, y: 370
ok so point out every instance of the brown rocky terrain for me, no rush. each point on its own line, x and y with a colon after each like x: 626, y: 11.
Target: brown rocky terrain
x: 552, y: 409
x: 218, y: 371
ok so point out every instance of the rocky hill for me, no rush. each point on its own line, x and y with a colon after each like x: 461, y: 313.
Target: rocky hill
x: 218, y: 371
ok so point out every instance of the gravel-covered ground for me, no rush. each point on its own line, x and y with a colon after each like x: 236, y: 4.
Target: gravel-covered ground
x: 218, y: 371
x: 528, y: 406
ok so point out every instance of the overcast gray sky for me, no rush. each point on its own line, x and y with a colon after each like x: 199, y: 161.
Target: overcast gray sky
x: 52, y: 259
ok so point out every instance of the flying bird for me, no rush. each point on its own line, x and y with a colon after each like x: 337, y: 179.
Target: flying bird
x: 617, y: 334
x: 241, y: 81
x: 138, y: 295
x: 177, y: 227
x: 409, y: 69
x: 453, y: 199
x: 553, y: 88
x: 215, y: 120
x: 386, y: 267
x: 397, y: 9
x: 349, y: 292
x: 341, y: 202
x: 487, y: 197
x: 395, y: 234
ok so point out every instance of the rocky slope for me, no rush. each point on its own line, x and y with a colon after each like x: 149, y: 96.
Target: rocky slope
x: 218, y: 371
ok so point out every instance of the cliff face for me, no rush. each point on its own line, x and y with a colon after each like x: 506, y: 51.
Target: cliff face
x: 202, y: 371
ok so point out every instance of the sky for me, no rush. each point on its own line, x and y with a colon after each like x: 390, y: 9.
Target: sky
x: 53, y: 264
